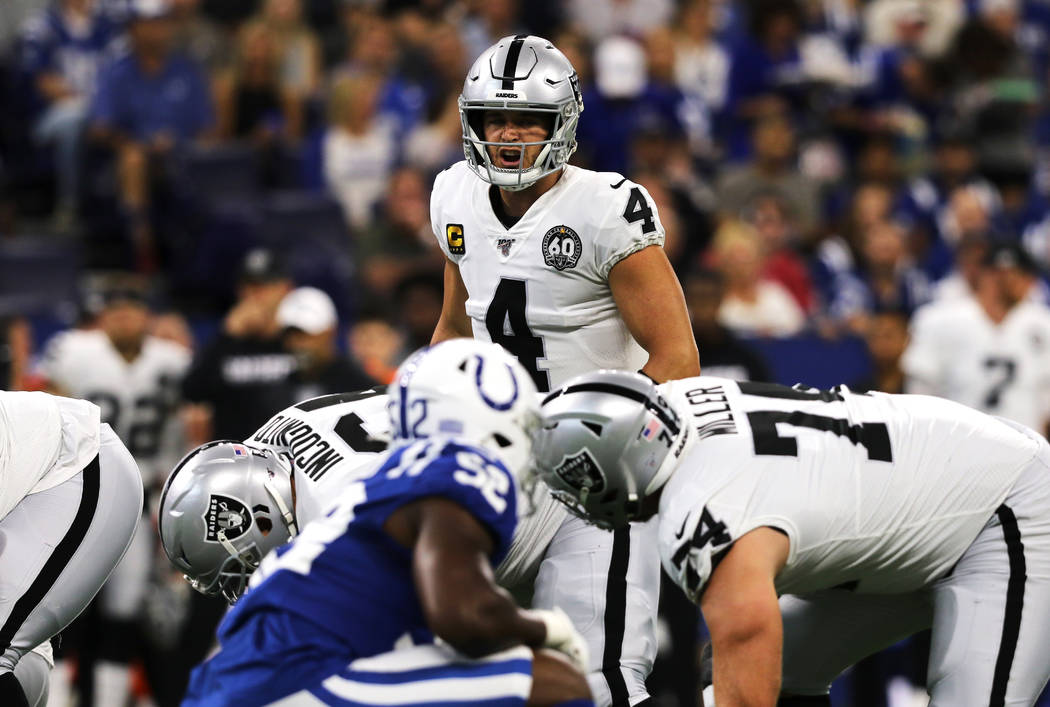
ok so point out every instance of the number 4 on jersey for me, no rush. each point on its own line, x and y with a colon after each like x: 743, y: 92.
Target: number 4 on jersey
x: 508, y: 308
x: 638, y: 209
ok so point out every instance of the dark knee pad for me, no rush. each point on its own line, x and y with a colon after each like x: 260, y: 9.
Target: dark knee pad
x: 11, y: 692
x: 800, y: 701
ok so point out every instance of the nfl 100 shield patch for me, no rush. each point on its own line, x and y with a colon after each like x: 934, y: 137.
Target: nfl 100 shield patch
x: 561, y: 248
x: 227, y: 515
x: 504, y: 245
x: 454, y: 236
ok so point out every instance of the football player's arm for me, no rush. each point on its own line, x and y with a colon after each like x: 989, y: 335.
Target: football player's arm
x: 650, y: 300
x: 453, y: 322
x: 454, y: 580
x: 742, y: 614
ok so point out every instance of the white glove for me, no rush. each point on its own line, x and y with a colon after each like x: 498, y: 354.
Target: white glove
x: 563, y: 637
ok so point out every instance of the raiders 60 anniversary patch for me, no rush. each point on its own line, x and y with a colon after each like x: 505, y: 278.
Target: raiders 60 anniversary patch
x: 561, y: 248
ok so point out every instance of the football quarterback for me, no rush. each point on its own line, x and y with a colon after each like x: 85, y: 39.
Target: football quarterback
x: 563, y: 267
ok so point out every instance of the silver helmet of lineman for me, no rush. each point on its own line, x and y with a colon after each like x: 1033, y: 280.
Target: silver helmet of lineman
x: 522, y: 73
x: 224, y: 507
x: 609, y: 440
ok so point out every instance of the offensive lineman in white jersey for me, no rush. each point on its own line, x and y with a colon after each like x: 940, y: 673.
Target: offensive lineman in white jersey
x: 990, y: 349
x: 70, y: 498
x: 134, y: 378
x: 563, y: 267
x: 310, y: 453
x: 874, y: 516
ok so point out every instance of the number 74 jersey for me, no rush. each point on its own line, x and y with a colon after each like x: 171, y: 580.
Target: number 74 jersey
x: 877, y: 493
x: 540, y: 288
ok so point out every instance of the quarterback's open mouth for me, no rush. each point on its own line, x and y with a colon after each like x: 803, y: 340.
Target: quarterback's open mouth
x: 508, y: 158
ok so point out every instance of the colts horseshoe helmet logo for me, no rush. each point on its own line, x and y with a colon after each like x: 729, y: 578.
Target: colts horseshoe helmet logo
x: 454, y: 236
x: 561, y: 248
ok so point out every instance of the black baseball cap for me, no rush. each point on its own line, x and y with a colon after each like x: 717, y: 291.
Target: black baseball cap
x: 1010, y: 255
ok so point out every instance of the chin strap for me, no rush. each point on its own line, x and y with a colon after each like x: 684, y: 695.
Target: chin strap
x: 286, y: 513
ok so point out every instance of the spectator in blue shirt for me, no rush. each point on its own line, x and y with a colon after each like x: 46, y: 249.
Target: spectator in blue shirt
x: 148, y: 103
x: 765, y: 74
x: 62, y: 48
x: 622, y: 98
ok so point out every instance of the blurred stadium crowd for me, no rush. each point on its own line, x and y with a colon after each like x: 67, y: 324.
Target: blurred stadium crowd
x: 171, y: 171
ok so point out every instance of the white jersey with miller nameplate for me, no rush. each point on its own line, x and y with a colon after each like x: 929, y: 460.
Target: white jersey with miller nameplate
x: 138, y: 399
x: 44, y: 440
x: 335, y: 440
x: 957, y: 352
x: 541, y: 287
x: 880, y: 493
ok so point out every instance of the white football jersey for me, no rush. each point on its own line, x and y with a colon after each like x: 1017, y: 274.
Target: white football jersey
x: 44, y: 440
x: 335, y: 440
x: 331, y: 441
x: 137, y: 399
x: 878, y: 493
x: 957, y: 352
x: 541, y: 287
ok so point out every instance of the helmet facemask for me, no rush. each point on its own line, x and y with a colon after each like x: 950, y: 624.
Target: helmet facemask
x: 233, y: 574
x: 555, y: 152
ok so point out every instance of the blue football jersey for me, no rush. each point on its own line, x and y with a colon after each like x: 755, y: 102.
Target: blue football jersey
x: 346, y: 578
x: 49, y: 43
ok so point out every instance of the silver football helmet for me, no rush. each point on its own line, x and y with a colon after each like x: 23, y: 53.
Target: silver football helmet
x: 521, y: 73
x: 472, y: 390
x: 224, y: 507
x: 609, y: 440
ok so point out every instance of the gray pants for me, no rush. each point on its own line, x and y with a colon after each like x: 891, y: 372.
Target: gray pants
x: 57, y: 548
x: 990, y: 617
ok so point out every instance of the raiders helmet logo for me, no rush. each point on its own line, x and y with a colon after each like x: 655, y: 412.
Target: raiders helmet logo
x: 227, y: 515
x: 580, y: 471
x: 454, y: 236
x: 561, y: 248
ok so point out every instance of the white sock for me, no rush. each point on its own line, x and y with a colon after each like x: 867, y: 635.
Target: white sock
x: 60, y: 685
x: 112, y: 684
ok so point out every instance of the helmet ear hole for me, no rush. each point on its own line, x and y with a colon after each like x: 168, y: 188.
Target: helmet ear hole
x: 265, y: 525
